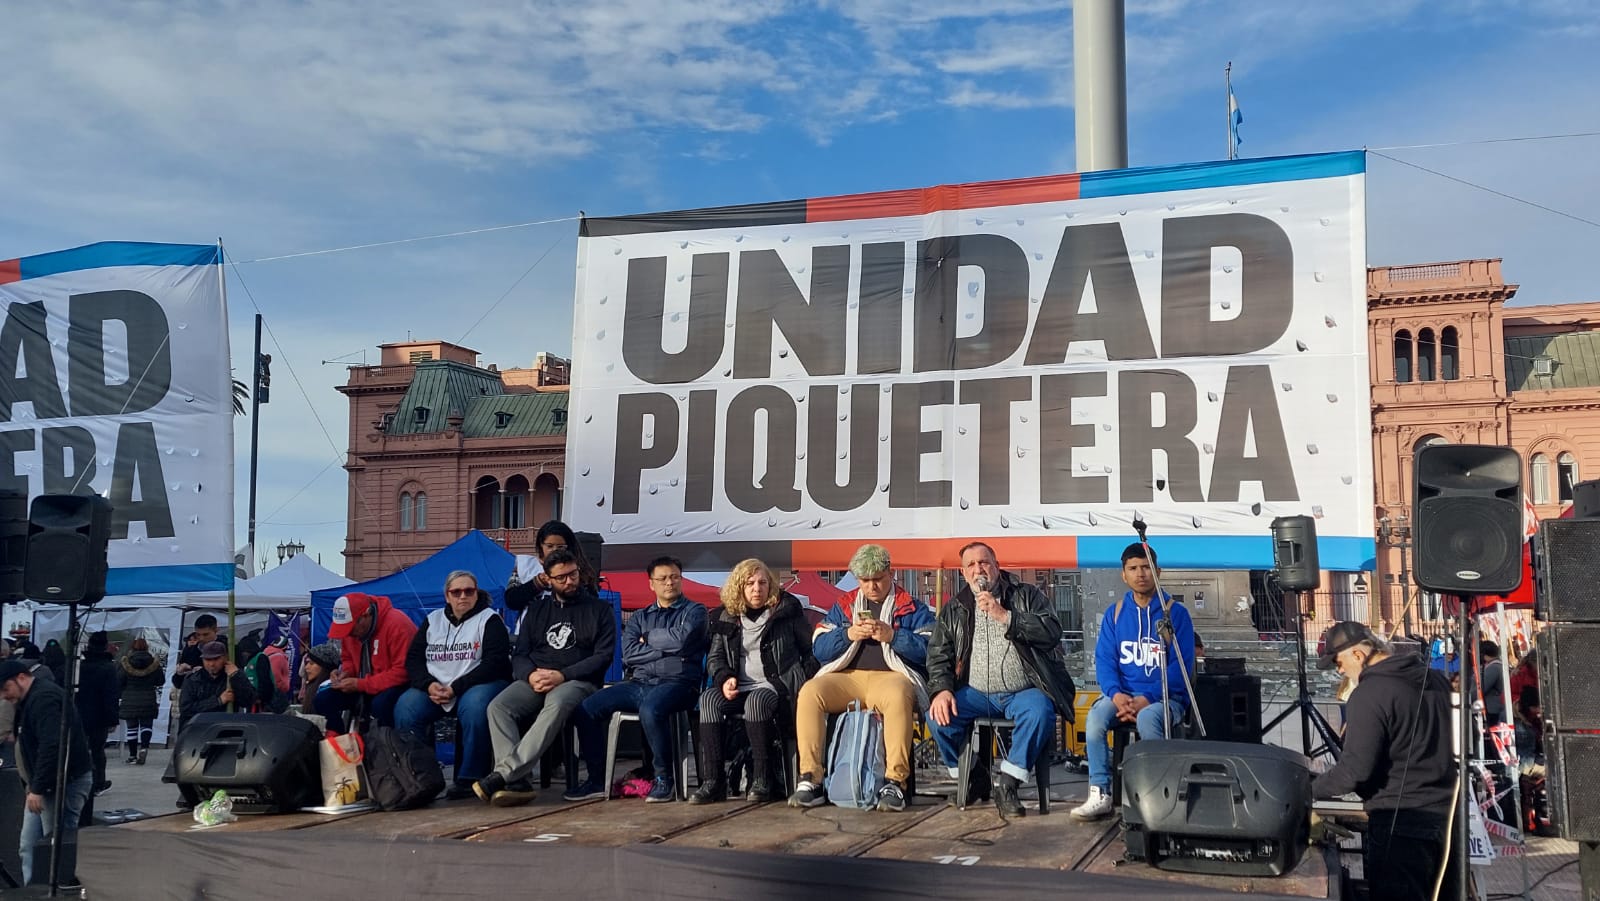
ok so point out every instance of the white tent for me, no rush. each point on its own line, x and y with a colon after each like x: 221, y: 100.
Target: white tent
x: 164, y: 619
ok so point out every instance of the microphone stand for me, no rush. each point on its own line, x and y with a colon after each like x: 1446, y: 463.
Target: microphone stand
x: 1164, y: 630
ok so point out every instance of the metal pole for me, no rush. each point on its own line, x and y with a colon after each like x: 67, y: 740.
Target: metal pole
x: 1100, y: 84
x: 1405, y: 583
x: 1227, y: 106
x: 255, y: 434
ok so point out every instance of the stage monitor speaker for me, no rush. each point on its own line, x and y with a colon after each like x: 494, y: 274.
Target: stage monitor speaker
x: 1566, y: 571
x: 67, y: 537
x: 1569, y: 671
x: 13, y: 544
x: 1213, y: 807
x: 1294, y: 553
x: 1574, y: 784
x: 592, y: 546
x: 1467, y: 518
x: 1586, y: 499
x: 13, y: 794
x: 265, y: 762
x: 1229, y: 705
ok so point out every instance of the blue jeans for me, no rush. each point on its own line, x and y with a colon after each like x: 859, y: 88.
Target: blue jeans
x: 416, y: 713
x: 655, y: 705
x: 1030, y: 709
x: 1102, y: 716
x: 335, y: 704
x: 39, y: 827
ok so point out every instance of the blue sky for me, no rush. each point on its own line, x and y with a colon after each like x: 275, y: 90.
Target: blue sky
x: 293, y: 127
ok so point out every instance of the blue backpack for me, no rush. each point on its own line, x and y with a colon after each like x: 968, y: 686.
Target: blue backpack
x: 856, y: 769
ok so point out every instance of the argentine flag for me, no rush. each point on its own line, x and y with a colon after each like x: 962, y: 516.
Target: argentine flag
x: 1235, y: 118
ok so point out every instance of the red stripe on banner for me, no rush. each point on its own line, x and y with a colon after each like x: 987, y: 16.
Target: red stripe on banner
x: 10, y: 271
x: 921, y: 201
x: 1043, y: 552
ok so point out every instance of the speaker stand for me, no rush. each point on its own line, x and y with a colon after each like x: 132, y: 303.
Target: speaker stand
x: 57, y: 834
x: 1310, y: 717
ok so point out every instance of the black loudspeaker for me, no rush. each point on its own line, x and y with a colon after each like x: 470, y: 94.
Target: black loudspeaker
x: 1230, y: 706
x: 1586, y: 499
x: 13, y: 544
x: 1294, y: 553
x: 67, y: 537
x: 1467, y: 519
x: 1566, y: 571
x: 1574, y: 783
x: 1210, y: 807
x: 12, y: 796
x: 265, y: 762
x: 591, y: 545
x: 1569, y: 671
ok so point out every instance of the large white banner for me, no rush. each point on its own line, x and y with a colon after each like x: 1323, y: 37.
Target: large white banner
x: 114, y: 380
x: 1036, y: 363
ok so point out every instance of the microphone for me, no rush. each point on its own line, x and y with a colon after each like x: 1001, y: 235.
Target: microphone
x: 983, y: 582
x: 1139, y: 526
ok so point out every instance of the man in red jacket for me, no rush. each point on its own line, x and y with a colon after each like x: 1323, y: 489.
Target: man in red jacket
x: 373, y: 638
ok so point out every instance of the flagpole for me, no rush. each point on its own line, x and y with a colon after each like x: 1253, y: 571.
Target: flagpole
x: 1227, y: 107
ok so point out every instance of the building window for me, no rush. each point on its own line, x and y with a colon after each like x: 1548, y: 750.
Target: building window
x: 1566, y: 477
x: 420, y: 519
x: 558, y: 417
x: 1428, y: 441
x: 1539, y: 478
x: 407, y: 506
x: 1426, y: 351
x: 1449, y: 354
x: 1402, y: 356
x: 515, y: 502
x: 502, y: 419
x: 420, y: 415
x: 387, y: 421
x: 488, y: 509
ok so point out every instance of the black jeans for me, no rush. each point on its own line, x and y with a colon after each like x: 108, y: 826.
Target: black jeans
x: 1404, y: 851
x: 97, y: 753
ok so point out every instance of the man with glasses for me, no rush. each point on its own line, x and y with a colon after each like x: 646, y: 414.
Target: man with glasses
x: 664, y: 649
x: 1397, y: 759
x: 561, y: 654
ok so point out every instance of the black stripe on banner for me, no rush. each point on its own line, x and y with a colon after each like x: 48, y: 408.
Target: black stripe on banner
x: 750, y: 215
x: 710, y: 556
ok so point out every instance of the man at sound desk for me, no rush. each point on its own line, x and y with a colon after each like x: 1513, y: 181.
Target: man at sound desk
x: 1397, y: 759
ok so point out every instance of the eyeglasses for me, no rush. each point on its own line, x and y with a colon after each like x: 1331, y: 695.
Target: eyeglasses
x: 462, y: 592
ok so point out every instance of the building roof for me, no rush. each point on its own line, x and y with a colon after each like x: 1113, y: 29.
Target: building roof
x: 440, y: 388
x: 542, y: 414
x: 1575, y: 361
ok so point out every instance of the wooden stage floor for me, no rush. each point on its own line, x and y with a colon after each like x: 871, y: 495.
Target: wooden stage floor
x: 931, y: 832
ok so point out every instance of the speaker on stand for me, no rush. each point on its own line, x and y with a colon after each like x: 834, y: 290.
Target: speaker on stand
x: 592, y: 546
x: 1296, y: 568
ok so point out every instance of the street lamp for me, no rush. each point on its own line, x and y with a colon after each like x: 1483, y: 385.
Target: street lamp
x: 1396, y: 533
x: 288, y: 549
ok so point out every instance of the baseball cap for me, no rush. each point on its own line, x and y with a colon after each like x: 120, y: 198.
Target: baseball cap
x: 211, y: 650
x: 346, y: 610
x: 11, y: 669
x: 1339, y: 637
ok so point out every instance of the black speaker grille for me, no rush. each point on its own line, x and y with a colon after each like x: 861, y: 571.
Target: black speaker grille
x: 1567, y: 571
x: 1575, y: 785
x: 1569, y: 673
x: 1469, y: 545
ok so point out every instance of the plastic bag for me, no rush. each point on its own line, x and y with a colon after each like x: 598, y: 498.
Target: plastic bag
x: 215, y: 811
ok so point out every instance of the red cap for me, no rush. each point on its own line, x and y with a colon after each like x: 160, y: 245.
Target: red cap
x: 346, y: 610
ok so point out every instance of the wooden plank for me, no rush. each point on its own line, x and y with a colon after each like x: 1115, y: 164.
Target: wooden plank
x: 1309, y: 879
x: 979, y: 836
x: 184, y: 822
x: 827, y: 830
x: 443, y: 819
x: 614, y: 823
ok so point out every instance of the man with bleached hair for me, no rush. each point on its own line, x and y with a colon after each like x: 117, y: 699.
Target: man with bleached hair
x: 873, y: 647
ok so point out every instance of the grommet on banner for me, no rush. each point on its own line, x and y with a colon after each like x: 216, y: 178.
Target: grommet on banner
x: 1005, y: 523
x: 1288, y: 387
x: 1329, y: 322
x: 1333, y: 398
x: 964, y: 505
x: 1301, y: 346
x: 600, y: 501
x: 1311, y: 449
x: 1093, y: 520
x: 585, y: 471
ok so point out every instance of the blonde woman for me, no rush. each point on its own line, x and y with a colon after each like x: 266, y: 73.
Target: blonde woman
x: 760, y: 656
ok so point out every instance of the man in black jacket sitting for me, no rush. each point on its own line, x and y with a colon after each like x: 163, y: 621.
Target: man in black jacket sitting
x: 41, y: 704
x: 212, y: 687
x: 996, y: 652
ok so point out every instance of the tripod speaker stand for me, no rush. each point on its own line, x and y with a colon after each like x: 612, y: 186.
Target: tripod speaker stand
x: 1310, y: 717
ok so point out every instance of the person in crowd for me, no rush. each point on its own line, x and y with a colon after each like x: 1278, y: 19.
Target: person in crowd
x: 1529, y: 715
x: 373, y: 640
x: 318, y: 667
x: 205, y: 632
x: 459, y: 662
x: 142, y: 679
x: 1128, y: 656
x: 97, y: 695
x: 1494, y: 682
x: 663, y: 649
x: 873, y: 647
x: 1397, y: 758
x: 212, y: 687
x: 760, y: 657
x: 559, y: 658
x: 277, y: 654
x: 55, y: 658
x: 41, y: 705
x: 257, y: 668
x: 996, y: 651
x: 553, y: 536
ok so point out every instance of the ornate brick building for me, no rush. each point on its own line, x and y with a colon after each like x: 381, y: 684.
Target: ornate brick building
x: 439, y: 445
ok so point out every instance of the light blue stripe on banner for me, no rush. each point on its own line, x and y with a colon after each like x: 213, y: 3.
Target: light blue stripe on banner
x: 1224, y: 552
x: 1221, y: 174
x: 118, y: 253
x: 160, y: 579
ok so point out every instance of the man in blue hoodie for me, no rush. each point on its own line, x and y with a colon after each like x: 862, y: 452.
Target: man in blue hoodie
x: 1127, y: 664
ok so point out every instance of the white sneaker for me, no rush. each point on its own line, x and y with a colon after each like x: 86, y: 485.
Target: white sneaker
x: 1098, y: 805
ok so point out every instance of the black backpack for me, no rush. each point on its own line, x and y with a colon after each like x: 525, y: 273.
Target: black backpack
x: 401, y: 770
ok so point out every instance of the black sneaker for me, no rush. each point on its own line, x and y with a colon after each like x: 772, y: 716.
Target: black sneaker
x: 661, y: 791
x: 1005, y: 796
x: 588, y: 791
x: 514, y: 794
x: 760, y: 790
x: 808, y: 794
x: 458, y: 791
x: 891, y: 798
x: 486, y: 787
x: 102, y: 788
x: 709, y: 792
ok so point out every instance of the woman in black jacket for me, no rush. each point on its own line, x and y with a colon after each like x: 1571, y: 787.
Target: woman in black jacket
x: 142, y: 682
x: 97, y: 697
x: 760, y: 656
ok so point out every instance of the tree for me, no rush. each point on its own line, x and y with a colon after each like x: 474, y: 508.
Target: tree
x: 241, y: 393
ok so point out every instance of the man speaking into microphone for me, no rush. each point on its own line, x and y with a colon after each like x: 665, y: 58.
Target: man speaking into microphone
x: 996, y: 651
